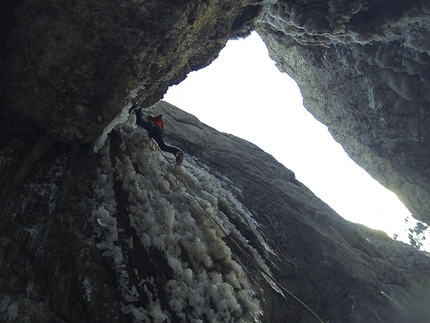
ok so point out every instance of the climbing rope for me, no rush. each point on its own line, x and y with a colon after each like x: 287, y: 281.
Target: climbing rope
x: 260, y: 268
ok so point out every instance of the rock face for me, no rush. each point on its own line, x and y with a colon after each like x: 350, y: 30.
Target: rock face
x: 123, y: 236
x: 119, y: 236
x: 69, y: 66
x: 363, y: 69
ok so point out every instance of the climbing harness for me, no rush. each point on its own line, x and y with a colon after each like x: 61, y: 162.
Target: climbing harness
x: 260, y: 268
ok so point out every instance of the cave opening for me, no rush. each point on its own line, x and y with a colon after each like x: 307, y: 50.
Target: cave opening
x: 243, y: 93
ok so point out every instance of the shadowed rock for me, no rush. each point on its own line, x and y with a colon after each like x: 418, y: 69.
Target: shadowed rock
x: 118, y: 235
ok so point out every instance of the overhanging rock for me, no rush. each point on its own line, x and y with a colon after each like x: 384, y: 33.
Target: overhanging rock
x: 363, y: 69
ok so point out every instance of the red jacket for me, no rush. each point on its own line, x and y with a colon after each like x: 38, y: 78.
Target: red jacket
x: 158, y: 121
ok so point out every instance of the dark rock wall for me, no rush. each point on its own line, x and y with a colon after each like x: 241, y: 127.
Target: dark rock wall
x: 363, y: 69
x: 74, y: 244
x: 68, y: 66
x: 115, y: 236
x: 47, y: 255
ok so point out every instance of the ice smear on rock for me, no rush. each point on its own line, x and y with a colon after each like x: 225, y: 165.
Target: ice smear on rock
x: 207, y: 283
x: 119, y: 119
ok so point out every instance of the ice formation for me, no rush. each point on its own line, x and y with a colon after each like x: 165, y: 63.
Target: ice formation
x: 174, y: 210
x: 120, y: 118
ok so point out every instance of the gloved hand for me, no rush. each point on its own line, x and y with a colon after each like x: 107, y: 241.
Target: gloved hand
x: 135, y: 107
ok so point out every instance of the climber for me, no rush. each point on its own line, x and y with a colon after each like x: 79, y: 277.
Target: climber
x: 154, y: 126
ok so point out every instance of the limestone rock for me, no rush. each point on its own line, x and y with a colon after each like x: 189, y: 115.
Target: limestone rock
x: 363, y: 71
x: 68, y: 67
x: 123, y: 236
x: 114, y: 235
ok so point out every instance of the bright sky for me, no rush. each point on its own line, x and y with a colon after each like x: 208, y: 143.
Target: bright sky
x: 243, y: 93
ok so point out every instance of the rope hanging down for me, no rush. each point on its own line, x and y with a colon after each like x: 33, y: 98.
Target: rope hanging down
x: 261, y: 270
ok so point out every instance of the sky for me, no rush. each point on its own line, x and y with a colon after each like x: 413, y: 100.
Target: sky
x: 243, y: 93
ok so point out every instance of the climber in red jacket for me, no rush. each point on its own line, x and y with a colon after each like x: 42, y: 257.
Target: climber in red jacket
x: 154, y: 126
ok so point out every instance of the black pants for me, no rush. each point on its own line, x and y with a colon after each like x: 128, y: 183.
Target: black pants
x: 156, y: 133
